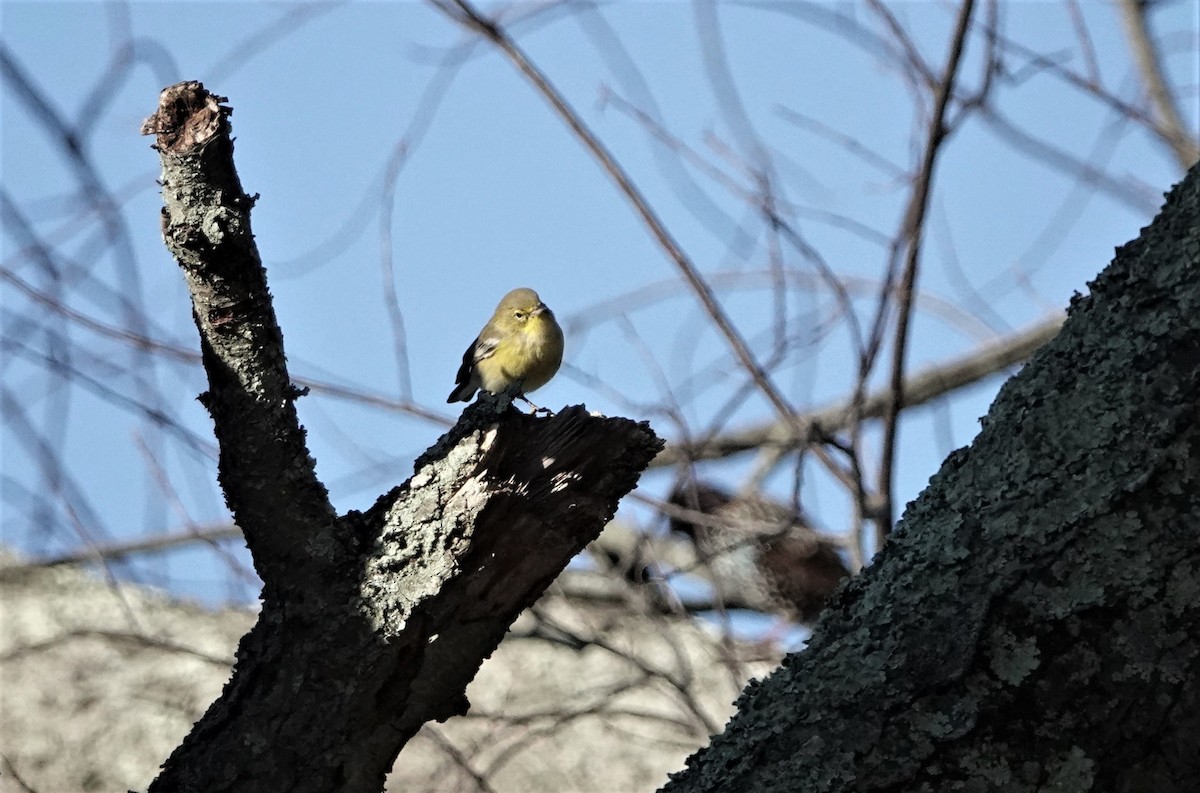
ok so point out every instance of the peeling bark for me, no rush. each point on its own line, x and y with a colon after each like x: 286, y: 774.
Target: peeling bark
x: 372, y: 623
x: 1034, y: 623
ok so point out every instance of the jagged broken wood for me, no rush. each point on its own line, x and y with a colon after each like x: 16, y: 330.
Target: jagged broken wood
x: 372, y: 623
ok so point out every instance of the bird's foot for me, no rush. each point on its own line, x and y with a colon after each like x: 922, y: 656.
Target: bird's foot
x: 537, y: 411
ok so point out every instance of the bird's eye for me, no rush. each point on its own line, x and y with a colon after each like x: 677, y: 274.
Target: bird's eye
x: 519, y: 314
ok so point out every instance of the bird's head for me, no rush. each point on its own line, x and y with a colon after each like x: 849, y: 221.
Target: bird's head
x: 521, y: 310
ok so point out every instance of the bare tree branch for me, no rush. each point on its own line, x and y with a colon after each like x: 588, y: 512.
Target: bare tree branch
x: 265, y: 469
x: 117, y: 550
x: 913, y: 234
x: 372, y: 623
x: 918, y: 389
x: 11, y: 772
x: 1145, y: 53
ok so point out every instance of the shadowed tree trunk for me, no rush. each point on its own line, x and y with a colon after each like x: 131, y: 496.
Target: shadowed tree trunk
x: 372, y: 623
x: 1034, y: 623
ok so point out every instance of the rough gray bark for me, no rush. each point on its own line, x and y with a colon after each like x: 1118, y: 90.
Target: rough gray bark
x: 372, y: 623
x: 1034, y: 624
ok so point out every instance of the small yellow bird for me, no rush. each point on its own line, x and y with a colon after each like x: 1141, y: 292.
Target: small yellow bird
x: 518, y: 350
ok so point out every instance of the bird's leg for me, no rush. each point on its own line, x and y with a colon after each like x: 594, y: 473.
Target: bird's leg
x: 536, y: 410
x: 514, y: 393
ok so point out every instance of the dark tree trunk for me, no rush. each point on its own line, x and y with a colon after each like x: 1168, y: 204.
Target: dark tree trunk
x: 1034, y: 623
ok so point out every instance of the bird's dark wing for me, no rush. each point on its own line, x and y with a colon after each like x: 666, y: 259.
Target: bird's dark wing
x: 468, y: 360
x: 482, y: 348
x: 464, y: 389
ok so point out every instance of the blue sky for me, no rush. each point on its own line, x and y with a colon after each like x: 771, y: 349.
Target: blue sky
x: 495, y: 193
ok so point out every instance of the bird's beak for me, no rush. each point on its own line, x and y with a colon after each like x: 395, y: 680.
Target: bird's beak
x: 539, y: 309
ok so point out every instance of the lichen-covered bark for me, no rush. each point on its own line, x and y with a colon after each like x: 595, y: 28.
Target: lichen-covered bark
x: 1034, y: 624
x: 265, y: 470
x: 372, y: 623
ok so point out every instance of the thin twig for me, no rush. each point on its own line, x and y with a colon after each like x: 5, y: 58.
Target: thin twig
x: 11, y: 772
x: 459, y: 758
x: 1145, y: 53
x: 141, y: 640
x: 918, y: 389
x: 155, y: 544
x: 914, y: 227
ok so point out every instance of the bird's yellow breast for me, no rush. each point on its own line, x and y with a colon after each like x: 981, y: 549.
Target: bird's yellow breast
x: 531, y: 357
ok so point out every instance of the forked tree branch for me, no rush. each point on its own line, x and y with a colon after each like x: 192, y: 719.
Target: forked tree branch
x: 372, y: 623
x: 265, y: 470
